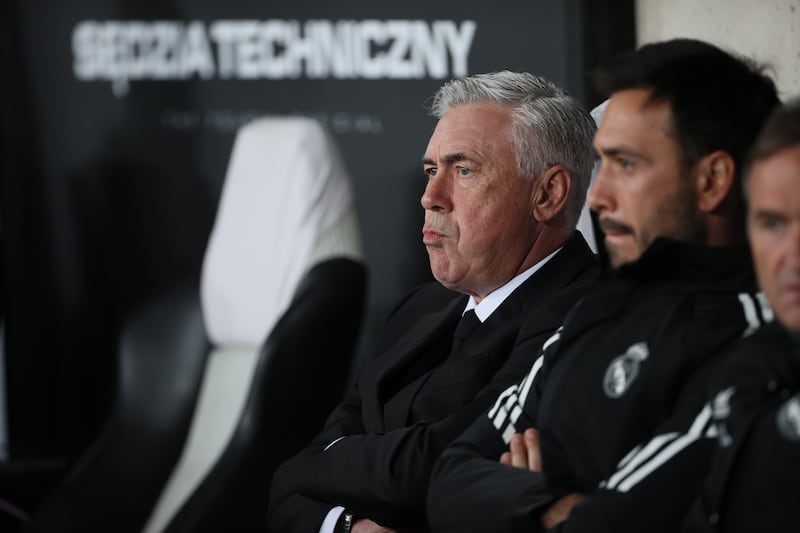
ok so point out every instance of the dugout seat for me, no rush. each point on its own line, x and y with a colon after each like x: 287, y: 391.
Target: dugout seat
x: 587, y: 224
x: 220, y: 385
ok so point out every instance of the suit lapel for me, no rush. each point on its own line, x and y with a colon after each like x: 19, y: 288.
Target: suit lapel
x: 484, y: 339
x: 393, y: 406
x: 398, y: 359
x: 397, y: 408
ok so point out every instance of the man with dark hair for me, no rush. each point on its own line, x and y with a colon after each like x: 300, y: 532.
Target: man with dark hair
x: 507, y: 170
x: 609, y: 430
x: 753, y: 485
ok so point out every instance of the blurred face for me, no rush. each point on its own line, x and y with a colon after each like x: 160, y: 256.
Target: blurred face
x: 642, y: 190
x: 479, y: 227
x: 774, y: 226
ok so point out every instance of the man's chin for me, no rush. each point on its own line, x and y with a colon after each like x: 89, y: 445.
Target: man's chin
x: 447, y: 281
x: 440, y: 267
x: 791, y: 322
x: 618, y: 257
x: 787, y: 311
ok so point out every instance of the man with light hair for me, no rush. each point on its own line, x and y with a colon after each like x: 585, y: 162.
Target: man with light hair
x: 507, y: 170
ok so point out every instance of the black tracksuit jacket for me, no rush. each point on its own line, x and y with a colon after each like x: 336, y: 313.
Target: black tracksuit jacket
x: 754, y: 484
x: 619, y: 396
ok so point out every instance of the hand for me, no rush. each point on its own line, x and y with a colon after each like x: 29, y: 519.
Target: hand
x: 523, y: 451
x: 365, y: 525
x: 559, y: 511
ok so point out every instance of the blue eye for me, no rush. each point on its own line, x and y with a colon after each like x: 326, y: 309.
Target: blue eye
x: 464, y: 171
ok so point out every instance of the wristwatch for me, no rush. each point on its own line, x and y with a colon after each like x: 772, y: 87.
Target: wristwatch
x: 345, y: 523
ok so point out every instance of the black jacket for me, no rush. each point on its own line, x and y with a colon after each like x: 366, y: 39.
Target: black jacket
x: 753, y: 485
x: 619, y: 399
x: 413, y: 398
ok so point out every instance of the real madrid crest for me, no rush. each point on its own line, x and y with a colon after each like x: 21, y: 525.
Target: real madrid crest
x: 788, y: 419
x: 624, y: 369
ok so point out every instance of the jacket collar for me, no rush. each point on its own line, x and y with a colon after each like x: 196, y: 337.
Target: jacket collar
x: 671, y: 260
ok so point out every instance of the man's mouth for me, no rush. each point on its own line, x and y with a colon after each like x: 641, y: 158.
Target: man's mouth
x: 791, y: 286
x: 432, y: 236
x: 614, y: 228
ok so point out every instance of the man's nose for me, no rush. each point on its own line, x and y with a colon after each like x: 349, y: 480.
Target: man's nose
x: 438, y: 194
x: 601, y: 193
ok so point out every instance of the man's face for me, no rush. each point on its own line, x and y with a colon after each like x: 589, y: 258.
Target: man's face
x: 479, y: 226
x: 774, y: 225
x: 642, y: 190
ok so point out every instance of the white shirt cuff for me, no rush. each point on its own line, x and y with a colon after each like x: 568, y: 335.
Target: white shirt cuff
x: 330, y: 520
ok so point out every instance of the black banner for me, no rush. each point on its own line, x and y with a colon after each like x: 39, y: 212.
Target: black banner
x: 118, y: 121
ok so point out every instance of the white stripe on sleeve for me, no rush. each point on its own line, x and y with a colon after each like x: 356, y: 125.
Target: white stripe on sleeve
x: 646, y: 461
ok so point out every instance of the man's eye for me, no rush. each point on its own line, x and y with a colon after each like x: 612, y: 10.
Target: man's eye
x: 430, y: 171
x: 464, y: 171
x: 624, y: 164
x: 772, y: 223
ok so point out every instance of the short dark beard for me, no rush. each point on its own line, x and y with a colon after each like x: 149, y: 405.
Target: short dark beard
x: 678, y: 217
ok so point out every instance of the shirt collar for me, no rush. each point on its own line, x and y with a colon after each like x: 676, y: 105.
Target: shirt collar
x: 492, y: 301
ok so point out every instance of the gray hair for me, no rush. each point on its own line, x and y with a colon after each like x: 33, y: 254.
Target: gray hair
x: 549, y: 127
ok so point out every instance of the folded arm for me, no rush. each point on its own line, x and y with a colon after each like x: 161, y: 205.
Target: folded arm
x: 476, y: 485
x: 385, y: 476
x: 656, y: 483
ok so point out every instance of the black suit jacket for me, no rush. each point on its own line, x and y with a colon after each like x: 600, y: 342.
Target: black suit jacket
x: 414, y: 397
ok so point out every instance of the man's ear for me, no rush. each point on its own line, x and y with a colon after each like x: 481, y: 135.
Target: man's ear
x: 550, y: 193
x: 714, y: 180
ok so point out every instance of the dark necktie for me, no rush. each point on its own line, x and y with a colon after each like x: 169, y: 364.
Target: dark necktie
x: 465, y: 326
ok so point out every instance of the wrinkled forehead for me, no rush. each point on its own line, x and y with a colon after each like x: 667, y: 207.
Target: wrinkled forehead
x: 776, y: 179
x: 471, y: 129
